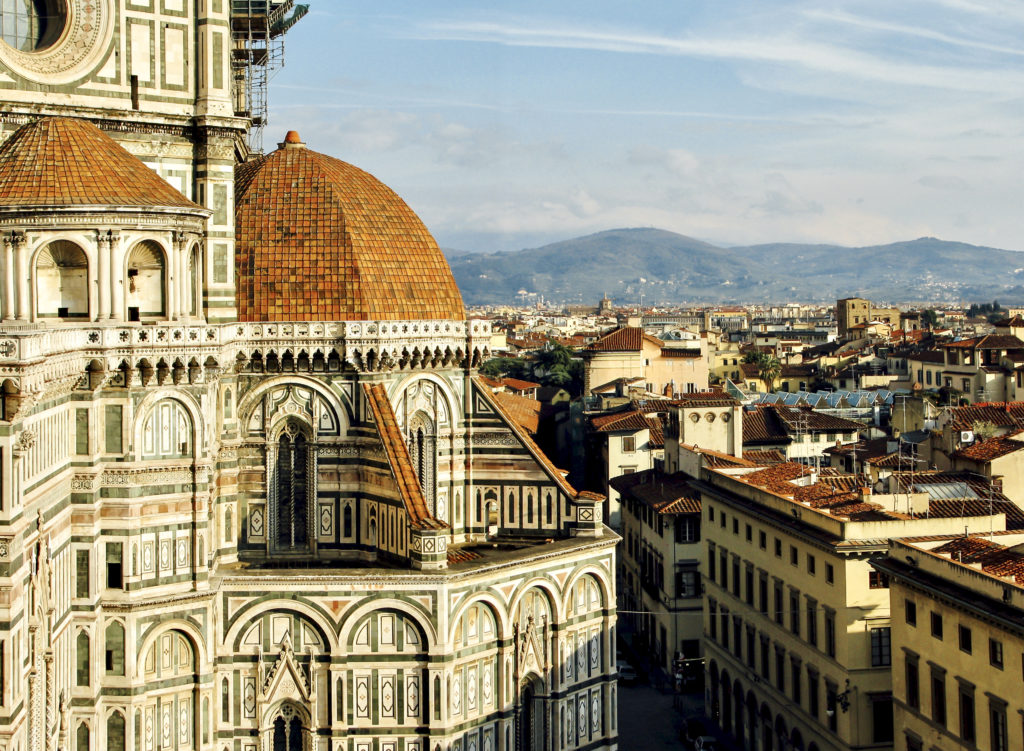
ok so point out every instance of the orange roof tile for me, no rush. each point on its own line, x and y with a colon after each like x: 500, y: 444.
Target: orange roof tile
x: 526, y: 412
x: 625, y: 339
x: 60, y: 161
x: 398, y: 458
x: 318, y: 239
x: 992, y: 448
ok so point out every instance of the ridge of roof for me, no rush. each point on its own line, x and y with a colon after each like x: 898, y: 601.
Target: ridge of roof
x: 398, y: 458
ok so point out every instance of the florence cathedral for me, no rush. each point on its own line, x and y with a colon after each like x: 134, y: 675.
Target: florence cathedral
x: 253, y: 496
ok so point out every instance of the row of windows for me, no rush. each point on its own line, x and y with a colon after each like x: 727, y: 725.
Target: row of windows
x: 686, y: 528
x: 810, y: 561
x: 965, y: 637
x: 774, y: 601
x: 786, y: 672
x: 966, y: 720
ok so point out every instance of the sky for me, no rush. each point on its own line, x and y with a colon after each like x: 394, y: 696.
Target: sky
x: 514, y: 124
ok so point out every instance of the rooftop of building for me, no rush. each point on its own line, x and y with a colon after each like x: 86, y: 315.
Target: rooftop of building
x: 67, y: 162
x: 318, y: 239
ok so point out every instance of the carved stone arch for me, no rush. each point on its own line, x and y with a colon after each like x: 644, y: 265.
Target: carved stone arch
x: 309, y: 613
x: 183, y: 398
x: 339, y: 404
x: 600, y: 577
x: 502, y: 616
x: 147, y: 290
x: 61, y: 280
x: 549, y: 586
x: 280, y: 721
x: 351, y: 620
x: 200, y: 647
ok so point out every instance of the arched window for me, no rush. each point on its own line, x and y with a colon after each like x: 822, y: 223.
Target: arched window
x: 422, y: 441
x: 32, y: 25
x: 62, y: 281
x: 339, y: 711
x: 294, y: 467
x: 347, y: 523
x: 114, y: 644
x: 82, y: 660
x: 227, y: 404
x: 146, y: 282
x: 437, y: 697
x: 138, y: 728
x: 228, y: 526
x: 550, y: 508
x: 288, y: 730
x: 225, y: 701
x: 167, y: 431
x: 82, y: 738
x: 115, y: 732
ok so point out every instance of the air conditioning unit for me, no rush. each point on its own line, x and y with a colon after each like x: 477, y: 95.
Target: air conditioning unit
x: 966, y: 436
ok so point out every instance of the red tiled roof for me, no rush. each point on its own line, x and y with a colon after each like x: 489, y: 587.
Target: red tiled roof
x: 519, y: 385
x: 625, y: 339
x: 525, y: 411
x: 666, y: 494
x: 690, y: 354
x: 657, y: 436
x: 704, y: 399
x: 632, y: 421
x: 763, y: 426
x: 613, y: 385
x: 765, y: 458
x: 992, y: 448
x: 60, y: 161
x: 1000, y: 414
x: 995, y: 559
x: 714, y: 458
x: 317, y: 239
x: 989, y: 341
x: 398, y: 458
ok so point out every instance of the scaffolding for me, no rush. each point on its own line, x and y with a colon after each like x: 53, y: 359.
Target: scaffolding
x: 258, y: 28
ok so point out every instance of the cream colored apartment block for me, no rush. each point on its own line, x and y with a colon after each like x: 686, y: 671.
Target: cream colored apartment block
x: 797, y: 622
x: 958, y: 644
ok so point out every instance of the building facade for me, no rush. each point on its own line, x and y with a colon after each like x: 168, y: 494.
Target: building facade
x: 252, y: 495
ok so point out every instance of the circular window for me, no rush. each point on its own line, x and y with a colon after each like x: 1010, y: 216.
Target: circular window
x: 710, y: 417
x: 725, y: 417
x: 694, y: 417
x: 32, y: 25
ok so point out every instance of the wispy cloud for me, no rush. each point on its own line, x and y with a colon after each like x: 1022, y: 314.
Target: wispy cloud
x: 780, y: 49
x: 918, y: 32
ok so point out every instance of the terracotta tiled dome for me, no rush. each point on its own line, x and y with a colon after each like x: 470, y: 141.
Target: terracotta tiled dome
x: 319, y: 239
x: 60, y: 161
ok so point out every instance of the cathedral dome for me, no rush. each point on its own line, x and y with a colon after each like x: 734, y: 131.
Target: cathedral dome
x: 319, y: 239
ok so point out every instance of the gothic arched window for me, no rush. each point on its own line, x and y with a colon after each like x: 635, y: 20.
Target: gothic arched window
x: 294, y: 468
x: 423, y: 452
x: 288, y: 730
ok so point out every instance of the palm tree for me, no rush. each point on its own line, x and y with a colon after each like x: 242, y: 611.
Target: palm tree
x: 768, y: 369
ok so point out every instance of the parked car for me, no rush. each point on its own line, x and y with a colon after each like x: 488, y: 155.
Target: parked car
x: 627, y: 674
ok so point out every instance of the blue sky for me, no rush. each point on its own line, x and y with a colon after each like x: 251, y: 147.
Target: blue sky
x: 509, y: 125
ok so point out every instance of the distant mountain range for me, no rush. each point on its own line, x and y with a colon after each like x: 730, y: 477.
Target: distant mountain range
x: 666, y: 267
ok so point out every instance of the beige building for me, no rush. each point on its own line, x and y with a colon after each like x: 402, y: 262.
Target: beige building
x: 853, y: 311
x: 628, y: 352
x: 957, y: 640
x: 633, y: 441
x: 797, y: 622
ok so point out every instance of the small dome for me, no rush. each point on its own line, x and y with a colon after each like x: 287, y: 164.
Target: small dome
x: 60, y: 161
x: 318, y: 239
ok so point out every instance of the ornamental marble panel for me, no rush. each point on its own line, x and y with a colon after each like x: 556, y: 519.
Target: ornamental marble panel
x: 595, y: 712
x: 164, y: 562
x: 148, y: 557
x: 581, y: 720
x: 257, y: 522
x: 249, y: 697
x: 412, y: 697
x: 471, y: 683
x: 387, y: 695
x: 325, y: 530
x: 362, y: 697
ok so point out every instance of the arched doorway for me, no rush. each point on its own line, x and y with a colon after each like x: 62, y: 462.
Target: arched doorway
x: 62, y: 281
x: 530, y: 716
x: 726, y: 720
x: 737, y: 709
x: 767, y: 732
x: 146, y: 282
